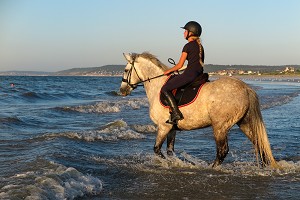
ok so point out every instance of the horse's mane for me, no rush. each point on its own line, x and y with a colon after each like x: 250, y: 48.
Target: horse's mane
x: 152, y: 58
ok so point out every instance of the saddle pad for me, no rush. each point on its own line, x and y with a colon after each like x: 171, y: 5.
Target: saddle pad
x: 186, y: 94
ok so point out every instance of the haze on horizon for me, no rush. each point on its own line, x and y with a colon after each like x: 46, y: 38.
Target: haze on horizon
x: 62, y: 34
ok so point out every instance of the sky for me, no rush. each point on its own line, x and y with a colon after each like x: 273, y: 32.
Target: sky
x: 54, y: 35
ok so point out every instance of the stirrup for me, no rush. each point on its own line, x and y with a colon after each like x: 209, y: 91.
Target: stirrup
x: 173, y: 121
x: 177, y: 116
x: 169, y: 121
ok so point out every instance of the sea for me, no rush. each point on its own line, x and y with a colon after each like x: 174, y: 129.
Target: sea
x: 78, y: 138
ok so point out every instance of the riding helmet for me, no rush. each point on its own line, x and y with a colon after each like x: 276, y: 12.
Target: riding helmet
x: 193, y: 27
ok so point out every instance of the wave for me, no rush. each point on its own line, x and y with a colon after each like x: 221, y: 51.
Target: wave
x: 145, y: 128
x: 109, y: 107
x: 31, y: 95
x: 103, y: 107
x: 272, y: 101
x: 14, y: 120
x: 46, y: 95
x: 114, y: 131
x: 113, y: 93
x: 35, y: 96
x: 51, y: 181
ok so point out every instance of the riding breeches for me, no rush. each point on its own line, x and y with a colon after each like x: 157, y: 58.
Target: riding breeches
x: 180, y: 80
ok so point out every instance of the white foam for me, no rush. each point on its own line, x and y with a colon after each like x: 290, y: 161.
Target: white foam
x: 111, y: 107
x: 154, y: 164
x: 55, y: 183
x: 149, y: 128
x: 9, y: 187
x: 64, y: 184
x: 289, y: 167
x: 103, y: 107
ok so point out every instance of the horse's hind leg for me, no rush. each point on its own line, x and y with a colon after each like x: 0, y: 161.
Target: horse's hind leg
x: 222, y: 146
x: 171, y: 142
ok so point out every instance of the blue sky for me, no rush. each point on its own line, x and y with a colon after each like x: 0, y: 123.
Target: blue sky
x: 53, y: 35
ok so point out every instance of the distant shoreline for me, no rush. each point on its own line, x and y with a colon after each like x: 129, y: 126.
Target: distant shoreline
x: 281, y: 77
x: 265, y: 77
x: 118, y: 70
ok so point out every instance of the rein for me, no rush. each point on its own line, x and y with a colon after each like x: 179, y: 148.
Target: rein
x: 135, y: 85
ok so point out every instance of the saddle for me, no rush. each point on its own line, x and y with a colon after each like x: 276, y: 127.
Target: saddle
x: 186, y: 94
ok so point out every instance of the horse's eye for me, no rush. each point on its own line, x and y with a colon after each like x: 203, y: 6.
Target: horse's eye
x: 126, y: 70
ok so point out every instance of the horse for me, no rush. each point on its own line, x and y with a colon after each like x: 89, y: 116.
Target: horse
x: 222, y: 103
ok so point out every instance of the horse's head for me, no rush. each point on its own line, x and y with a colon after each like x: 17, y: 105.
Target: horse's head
x: 140, y: 68
x: 130, y: 77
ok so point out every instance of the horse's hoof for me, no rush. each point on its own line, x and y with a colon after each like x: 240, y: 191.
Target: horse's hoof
x: 170, y: 153
x: 161, y: 155
x: 216, y: 164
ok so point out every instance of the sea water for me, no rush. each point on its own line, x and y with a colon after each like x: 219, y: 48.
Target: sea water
x: 77, y: 138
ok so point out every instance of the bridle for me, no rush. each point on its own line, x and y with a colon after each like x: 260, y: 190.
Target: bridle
x: 128, y: 78
x: 135, y: 85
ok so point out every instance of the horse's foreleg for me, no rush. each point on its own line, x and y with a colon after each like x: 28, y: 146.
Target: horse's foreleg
x: 222, y: 148
x: 171, y: 142
x: 160, y: 138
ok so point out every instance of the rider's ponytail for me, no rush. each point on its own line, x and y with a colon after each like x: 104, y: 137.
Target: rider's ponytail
x: 201, y: 50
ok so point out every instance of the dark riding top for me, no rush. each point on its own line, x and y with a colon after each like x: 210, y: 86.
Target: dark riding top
x: 193, y: 70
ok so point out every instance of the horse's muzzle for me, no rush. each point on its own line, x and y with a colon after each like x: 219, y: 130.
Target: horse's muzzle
x: 125, y: 90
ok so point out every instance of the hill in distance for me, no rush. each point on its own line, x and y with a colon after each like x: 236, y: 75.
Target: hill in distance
x: 25, y: 73
x: 90, y: 71
x: 116, y: 70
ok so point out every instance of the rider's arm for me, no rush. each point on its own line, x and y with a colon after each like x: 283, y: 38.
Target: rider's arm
x: 179, y: 64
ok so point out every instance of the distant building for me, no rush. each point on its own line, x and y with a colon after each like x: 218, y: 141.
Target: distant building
x: 231, y: 72
x: 289, y: 69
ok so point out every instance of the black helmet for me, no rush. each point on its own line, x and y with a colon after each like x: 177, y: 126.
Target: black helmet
x: 193, y: 27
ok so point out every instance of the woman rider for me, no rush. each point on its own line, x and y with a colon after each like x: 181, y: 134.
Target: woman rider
x: 193, y: 52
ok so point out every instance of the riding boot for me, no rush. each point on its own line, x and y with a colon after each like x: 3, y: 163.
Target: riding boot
x: 175, y: 114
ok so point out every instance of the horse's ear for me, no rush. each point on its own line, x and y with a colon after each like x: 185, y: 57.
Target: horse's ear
x: 128, y: 57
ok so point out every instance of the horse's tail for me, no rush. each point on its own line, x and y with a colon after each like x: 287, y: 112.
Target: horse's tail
x: 259, y: 134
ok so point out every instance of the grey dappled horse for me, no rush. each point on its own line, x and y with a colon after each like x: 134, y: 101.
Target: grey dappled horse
x: 221, y: 104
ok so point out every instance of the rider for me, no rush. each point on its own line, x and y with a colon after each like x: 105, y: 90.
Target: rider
x: 193, y: 52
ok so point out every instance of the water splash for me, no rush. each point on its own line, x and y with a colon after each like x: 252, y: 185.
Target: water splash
x: 53, y: 181
x: 187, y: 163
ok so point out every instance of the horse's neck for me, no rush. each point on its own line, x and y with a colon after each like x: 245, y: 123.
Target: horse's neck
x: 153, y: 86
